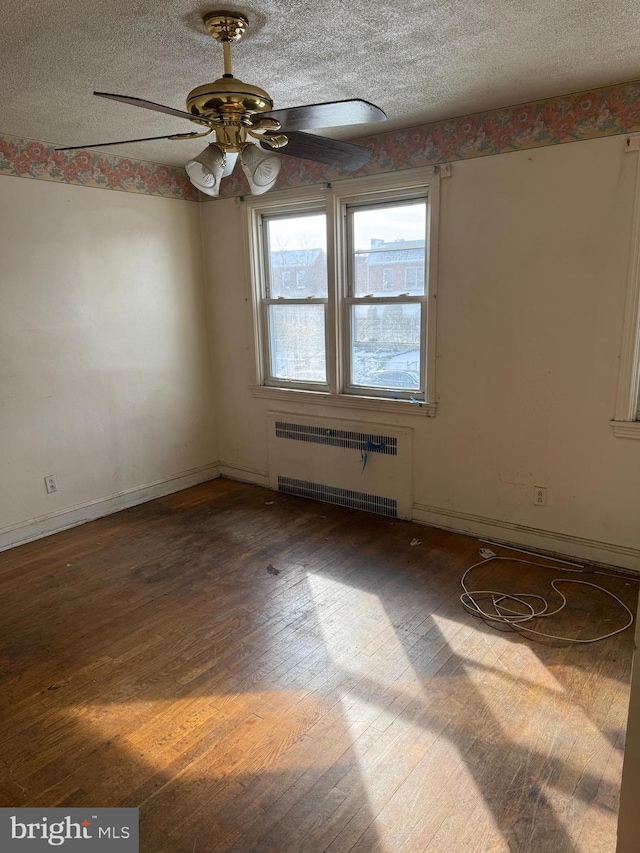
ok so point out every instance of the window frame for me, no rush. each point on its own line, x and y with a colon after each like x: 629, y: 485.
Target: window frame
x: 334, y: 200
x: 266, y: 300
x: 347, y: 296
x: 626, y: 419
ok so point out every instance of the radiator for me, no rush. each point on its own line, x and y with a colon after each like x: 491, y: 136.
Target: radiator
x: 363, y: 466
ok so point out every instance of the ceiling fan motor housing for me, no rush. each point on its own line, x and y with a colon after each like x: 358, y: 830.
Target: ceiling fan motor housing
x: 228, y: 99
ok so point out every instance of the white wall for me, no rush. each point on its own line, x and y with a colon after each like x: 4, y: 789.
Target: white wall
x: 534, y: 252
x: 105, y: 376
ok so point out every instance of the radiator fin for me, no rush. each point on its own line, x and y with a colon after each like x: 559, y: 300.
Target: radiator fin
x: 341, y: 497
x: 385, y: 444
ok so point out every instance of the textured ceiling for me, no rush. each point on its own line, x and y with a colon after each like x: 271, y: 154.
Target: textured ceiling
x: 419, y: 61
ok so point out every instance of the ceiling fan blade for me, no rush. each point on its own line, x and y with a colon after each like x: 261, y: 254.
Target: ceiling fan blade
x: 329, y: 114
x: 230, y: 163
x: 148, y: 105
x: 334, y: 152
x: 127, y: 141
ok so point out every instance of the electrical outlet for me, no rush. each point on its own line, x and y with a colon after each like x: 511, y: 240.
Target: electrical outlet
x: 50, y: 484
x: 540, y: 495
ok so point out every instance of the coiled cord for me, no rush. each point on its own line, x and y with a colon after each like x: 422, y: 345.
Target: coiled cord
x: 536, y: 606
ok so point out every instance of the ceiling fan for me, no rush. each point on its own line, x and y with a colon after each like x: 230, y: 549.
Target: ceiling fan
x: 242, y: 118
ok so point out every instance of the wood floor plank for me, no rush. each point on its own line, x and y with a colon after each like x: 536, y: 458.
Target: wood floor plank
x: 345, y: 704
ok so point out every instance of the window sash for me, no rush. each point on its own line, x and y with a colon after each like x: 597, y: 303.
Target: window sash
x: 357, y: 389
x: 350, y: 207
x: 263, y: 225
x: 279, y: 381
x: 263, y: 272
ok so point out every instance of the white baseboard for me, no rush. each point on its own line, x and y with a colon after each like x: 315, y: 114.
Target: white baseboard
x: 37, y: 528
x: 244, y: 474
x: 547, y: 541
x: 551, y: 542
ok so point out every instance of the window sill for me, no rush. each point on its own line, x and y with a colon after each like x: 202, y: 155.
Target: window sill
x: 626, y: 429
x: 346, y: 401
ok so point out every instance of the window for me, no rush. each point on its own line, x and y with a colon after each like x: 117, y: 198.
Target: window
x: 385, y: 334
x: 387, y: 278
x: 344, y: 291
x: 295, y: 318
x: 414, y: 278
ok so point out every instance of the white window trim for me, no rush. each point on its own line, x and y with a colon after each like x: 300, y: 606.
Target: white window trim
x: 625, y: 423
x: 332, y: 198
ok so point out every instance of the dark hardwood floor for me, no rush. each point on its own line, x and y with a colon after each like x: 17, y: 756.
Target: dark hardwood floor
x: 341, y: 700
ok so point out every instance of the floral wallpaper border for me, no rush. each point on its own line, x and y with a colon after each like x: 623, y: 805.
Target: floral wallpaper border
x: 569, y: 118
x: 25, y: 158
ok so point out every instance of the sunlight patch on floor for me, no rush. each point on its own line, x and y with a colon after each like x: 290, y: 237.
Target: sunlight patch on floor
x: 404, y: 764
x: 158, y: 729
x: 420, y: 756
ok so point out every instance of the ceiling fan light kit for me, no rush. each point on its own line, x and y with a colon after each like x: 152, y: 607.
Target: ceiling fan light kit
x: 261, y: 168
x: 205, y: 170
x: 242, y: 118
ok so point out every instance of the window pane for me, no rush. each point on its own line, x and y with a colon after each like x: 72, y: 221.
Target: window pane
x: 388, y: 242
x: 297, y: 342
x: 385, y: 349
x: 297, y: 255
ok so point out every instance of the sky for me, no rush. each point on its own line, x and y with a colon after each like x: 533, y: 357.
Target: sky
x: 389, y: 223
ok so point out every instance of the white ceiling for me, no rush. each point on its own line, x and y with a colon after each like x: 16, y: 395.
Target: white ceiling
x: 419, y: 61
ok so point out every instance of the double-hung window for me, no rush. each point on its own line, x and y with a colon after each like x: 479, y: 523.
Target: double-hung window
x: 384, y: 325
x: 294, y: 317
x: 344, y: 291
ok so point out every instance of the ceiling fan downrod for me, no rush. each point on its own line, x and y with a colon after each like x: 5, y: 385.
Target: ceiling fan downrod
x: 226, y: 27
